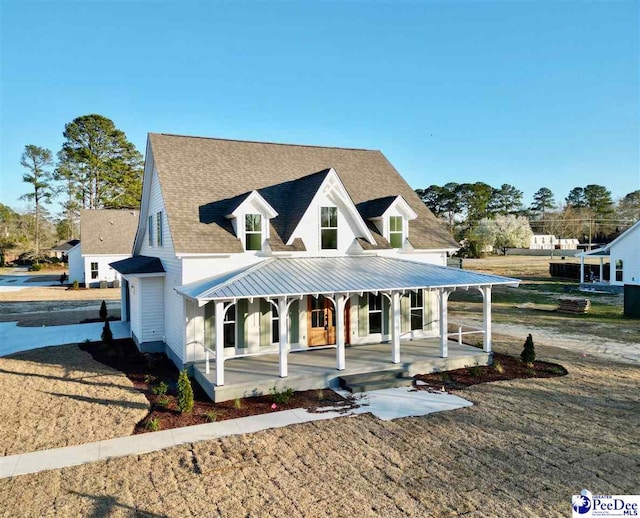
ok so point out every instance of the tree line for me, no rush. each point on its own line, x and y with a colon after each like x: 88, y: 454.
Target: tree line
x: 475, y: 212
x: 97, y: 167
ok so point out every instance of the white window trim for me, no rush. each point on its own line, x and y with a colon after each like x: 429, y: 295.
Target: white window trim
x: 321, y: 228
x: 403, y: 232
x: 150, y: 240
x: 159, y: 229
x: 412, y: 308
x: 262, y: 232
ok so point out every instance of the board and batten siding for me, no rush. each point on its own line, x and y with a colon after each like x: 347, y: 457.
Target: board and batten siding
x: 152, y: 300
x: 174, y: 313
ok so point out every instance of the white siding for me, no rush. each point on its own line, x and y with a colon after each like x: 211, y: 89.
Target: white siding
x: 627, y: 249
x: 105, y: 272
x: 76, y: 264
x: 152, y: 298
x: 174, y: 314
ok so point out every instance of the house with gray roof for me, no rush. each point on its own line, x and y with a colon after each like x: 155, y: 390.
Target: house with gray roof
x: 106, y: 235
x: 258, y: 264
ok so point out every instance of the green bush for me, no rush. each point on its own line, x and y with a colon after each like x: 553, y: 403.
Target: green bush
x: 281, y: 398
x: 153, y: 425
x: 76, y: 285
x: 107, y: 335
x: 185, y: 393
x: 160, y: 389
x: 474, y: 370
x: 211, y: 416
x: 103, y: 311
x: 237, y: 403
x: 35, y: 267
x: 162, y: 401
x: 528, y: 354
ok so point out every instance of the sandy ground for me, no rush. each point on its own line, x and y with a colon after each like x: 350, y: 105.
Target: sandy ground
x: 523, y: 449
x: 55, y: 293
x: 59, y: 396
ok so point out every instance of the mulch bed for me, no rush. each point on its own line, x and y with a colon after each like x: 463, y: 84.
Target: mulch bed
x: 147, y: 370
x: 511, y: 367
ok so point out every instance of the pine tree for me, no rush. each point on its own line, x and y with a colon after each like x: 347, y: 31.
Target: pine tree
x: 185, y: 393
x: 528, y: 354
x: 103, y: 311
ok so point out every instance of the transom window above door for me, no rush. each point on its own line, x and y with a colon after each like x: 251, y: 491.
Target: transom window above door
x: 329, y: 228
x: 253, y: 231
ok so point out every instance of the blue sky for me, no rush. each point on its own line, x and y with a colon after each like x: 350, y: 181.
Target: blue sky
x: 532, y: 93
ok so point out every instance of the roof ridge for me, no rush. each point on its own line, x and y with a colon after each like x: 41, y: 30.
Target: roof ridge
x: 265, y: 142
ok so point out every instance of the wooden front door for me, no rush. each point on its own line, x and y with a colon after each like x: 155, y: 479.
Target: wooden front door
x: 321, y: 321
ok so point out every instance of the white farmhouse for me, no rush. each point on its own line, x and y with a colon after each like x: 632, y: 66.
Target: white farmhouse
x: 623, y: 254
x: 106, y: 235
x: 255, y: 264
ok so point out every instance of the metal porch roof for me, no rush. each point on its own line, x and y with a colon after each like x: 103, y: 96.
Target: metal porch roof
x: 327, y: 275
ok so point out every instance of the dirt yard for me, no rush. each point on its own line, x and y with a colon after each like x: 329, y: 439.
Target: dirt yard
x: 60, y: 396
x: 522, y: 450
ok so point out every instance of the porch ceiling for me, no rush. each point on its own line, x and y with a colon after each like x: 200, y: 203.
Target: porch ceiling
x: 276, y: 277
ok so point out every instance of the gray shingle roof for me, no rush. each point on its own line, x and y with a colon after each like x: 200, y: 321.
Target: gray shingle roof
x: 327, y: 275
x: 108, y: 231
x: 68, y: 245
x: 198, y: 175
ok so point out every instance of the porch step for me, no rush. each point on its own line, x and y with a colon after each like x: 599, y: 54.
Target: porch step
x: 369, y: 381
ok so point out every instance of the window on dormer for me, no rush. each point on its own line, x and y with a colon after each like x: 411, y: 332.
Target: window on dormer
x: 253, y: 231
x: 395, y: 231
x: 329, y: 228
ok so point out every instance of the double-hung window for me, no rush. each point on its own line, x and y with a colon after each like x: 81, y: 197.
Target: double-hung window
x: 150, y: 230
x: 395, y: 231
x: 417, y: 310
x: 253, y: 231
x: 328, y: 228
x: 375, y: 313
x: 619, y: 269
x: 94, y: 270
x: 159, y: 228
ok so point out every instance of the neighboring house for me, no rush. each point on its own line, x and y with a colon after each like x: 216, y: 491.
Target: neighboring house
x: 106, y: 235
x: 61, y: 251
x: 551, y: 242
x: 623, y: 254
x: 248, y: 249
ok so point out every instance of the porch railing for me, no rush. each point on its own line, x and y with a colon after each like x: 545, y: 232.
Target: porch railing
x: 460, y: 333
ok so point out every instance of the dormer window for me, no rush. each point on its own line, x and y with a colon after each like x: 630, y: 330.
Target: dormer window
x: 329, y: 228
x: 253, y: 231
x: 396, y: 234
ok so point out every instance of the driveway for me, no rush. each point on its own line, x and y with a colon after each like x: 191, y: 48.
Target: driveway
x: 14, y: 339
x: 20, y: 278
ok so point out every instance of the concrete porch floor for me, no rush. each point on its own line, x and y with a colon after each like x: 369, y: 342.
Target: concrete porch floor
x: 316, y: 369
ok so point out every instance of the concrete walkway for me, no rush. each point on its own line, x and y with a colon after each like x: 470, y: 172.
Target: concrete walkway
x: 386, y: 404
x: 14, y: 339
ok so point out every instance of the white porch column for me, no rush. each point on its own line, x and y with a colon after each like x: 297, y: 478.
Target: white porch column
x: 284, y: 326
x: 219, y: 322
x: 601, y: 268
x: 395, y: 327
x: 340, y: 356
x: 486, y: 319
x: 444, y: 324
x: 582, y: 269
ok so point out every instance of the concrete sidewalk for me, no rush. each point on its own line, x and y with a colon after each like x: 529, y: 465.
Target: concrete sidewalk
x: 386, y: 404
x: 14, y: 339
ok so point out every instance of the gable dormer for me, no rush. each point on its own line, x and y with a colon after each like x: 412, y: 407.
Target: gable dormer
x: 391, y: 216
x: 250, y: 216
x: 330, y: 221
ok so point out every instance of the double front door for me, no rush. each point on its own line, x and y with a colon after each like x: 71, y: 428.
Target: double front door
x: 322, y: 321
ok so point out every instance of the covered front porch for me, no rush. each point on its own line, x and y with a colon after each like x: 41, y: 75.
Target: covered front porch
x: 316, y: 369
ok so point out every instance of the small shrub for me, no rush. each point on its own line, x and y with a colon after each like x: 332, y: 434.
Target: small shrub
x: 103, y: 311
x: 281, y: 397
x: 162, y: 401
x: 160, y: 389
x: 528, y: 354
x: 497, y: 366
x: 185, y: 393
x: 445, y: 377
x: 320, y: 394
x: 558, y: 371
x: 76, y: 285
x: 237, y: 403
x: 63, y: 278
x: 474, y: 370
x: 107, y: 335
x: 35, y: 267
x: 153, y: 425
x: 149, y: 379
x: 531, y: 373
x: 211, y: 415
